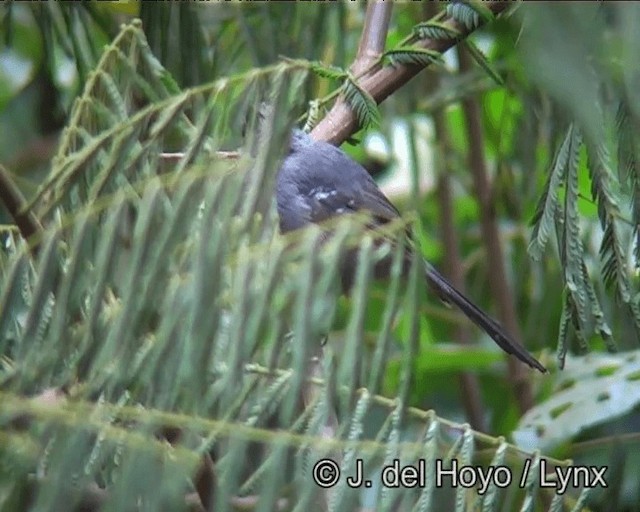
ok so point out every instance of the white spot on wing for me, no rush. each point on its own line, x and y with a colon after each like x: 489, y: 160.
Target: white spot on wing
x: 320, y: 194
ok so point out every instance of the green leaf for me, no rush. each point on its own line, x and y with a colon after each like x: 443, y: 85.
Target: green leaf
x: 584, y: 397
x: 435, y: 30
x: 413, y: 55
x: 331, y: 72
x: 471, y: 13
x: 548, y: 205
x: 363, y: 105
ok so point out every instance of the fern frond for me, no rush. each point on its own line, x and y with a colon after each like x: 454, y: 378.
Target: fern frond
x: 331, y: 72
x: 363, y: 105
x: 545, y: 215
x: 413, y: 55
x: 572, y: 248
x: 434, y: 30
x: 629, y: 165
x: 613, y: 251
x: 470, y: 13
x: 159, y: 306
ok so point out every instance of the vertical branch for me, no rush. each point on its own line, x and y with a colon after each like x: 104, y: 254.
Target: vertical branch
x: 374, y: 35
x: 370, y: 48
x: 498, y: 282
x: 469, y: 385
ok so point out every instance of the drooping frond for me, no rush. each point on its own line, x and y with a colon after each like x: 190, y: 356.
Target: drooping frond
x: 363, y: 105
x: 548, y: 205
x: 582, y: 307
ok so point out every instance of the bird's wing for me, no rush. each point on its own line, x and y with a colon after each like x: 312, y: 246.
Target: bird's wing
x: 374, y: 201
x: 327, y: 202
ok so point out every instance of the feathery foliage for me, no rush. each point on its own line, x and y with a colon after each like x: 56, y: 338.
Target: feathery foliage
x: 145, y: 356
x: 157, y: 337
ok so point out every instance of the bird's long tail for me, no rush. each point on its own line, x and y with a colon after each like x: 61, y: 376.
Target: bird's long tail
x: 449, y: 293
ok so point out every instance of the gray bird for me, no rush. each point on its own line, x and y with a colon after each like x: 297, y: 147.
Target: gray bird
x: 318, y: 181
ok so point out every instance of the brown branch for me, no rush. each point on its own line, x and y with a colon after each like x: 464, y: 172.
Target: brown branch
x: 27, y: 223
x: 374, y: 35
x: 204, y: 481
x: 37, y: 153
x: 341, y: 122
x: 483, y: 189
x: 469, y: 386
